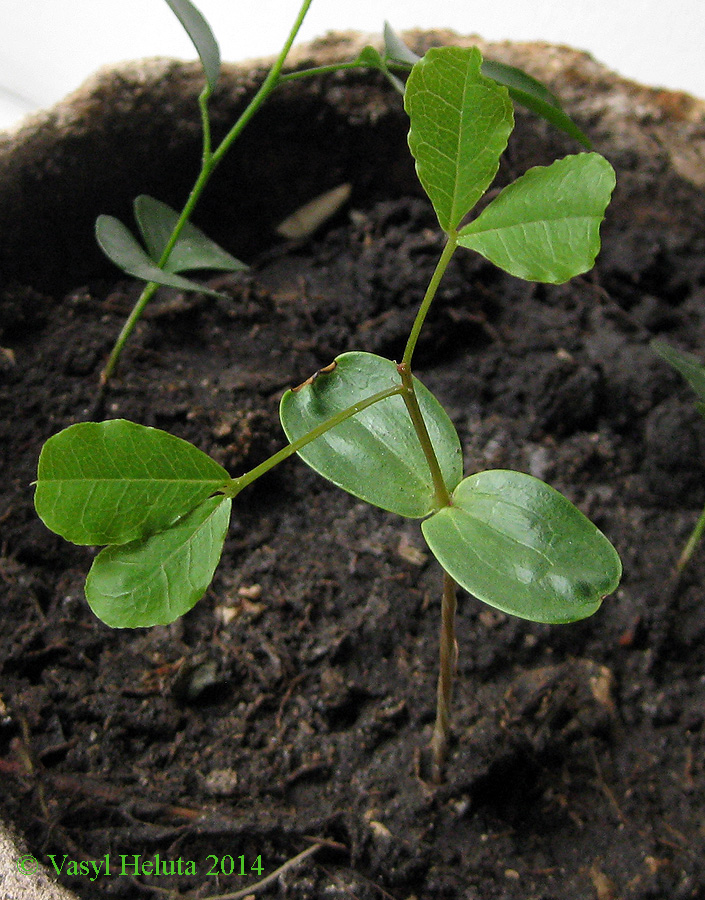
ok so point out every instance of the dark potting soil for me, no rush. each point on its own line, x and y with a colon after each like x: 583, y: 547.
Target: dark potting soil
x: 295, y: 702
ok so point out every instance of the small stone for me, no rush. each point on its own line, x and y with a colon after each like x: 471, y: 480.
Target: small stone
x: 221, y: 782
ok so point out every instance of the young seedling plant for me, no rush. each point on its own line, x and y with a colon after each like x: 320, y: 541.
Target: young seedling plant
x: 172, y: 245
x: 693, y: 371
x: 160, y: 507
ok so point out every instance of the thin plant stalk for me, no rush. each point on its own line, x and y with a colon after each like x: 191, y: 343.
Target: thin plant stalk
x: 209, y: 162
x: 392, y: 65
x: 438, y: 274
x: 414, y: 410
x: 448, y: 650
x: 237, y: 484
x: 449, y: 659
x: 692, y: 543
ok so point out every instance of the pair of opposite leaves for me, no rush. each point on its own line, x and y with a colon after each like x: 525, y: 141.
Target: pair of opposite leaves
x: 508, y: 538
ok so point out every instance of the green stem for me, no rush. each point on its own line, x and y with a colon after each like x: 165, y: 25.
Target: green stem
x: 692, y: 543
x: 441, y: 266
x: 237, y: 484
x: 449, y: 657
x: 340, y: 67
x: 203, y: 99
x: 404, y: 368
x: 148, y: 292
x: 322, y: 70
x: 208, y: 164
x: 448, y: 645
x: 273, y: 79
x: 414, y: 410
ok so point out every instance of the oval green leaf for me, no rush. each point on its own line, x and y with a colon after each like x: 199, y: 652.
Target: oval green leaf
x: 374, y: 455
x: 460, y: 123
x: 202, y: 37
x: 114, y: 482
x: 546, y: 225
x: 119, y: 245
x: 520, y: 546
x: 154, y: 581
x: 193, y: 249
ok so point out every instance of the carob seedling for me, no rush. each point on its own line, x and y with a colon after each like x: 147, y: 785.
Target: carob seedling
x: 162, y: 507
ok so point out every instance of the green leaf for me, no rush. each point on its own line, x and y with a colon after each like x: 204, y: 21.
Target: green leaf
x: 395, y: 49
x: 375, y: 454
x: 193, y: 249
x: 535, y: 96
x: 546, y: 225
x: 460, y: 123
x: 688, y: 365
x: 114, y: 482
x: 200, y: 33
x: 523, y: 88
x: 118, y: 244
x: 519, y: 545
x: 371, y: 58
x: 156, y: 580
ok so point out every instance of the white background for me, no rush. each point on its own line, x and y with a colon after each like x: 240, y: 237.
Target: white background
x: 47, y: 47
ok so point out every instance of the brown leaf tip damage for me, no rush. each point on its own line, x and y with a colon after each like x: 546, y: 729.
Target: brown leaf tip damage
x: 312, y: 378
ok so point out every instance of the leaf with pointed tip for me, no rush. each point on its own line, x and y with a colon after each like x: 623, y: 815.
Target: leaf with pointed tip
x: 202, y: 37
x: 395, y: 49
x: 374, y: 455
x: 535, y: 96
x: 119, y: 245
x: 520, y: 546
x: 113, y: 482
x: 156, y: 580
x: 193, y: 249
x: 546, y: 225
x: 460, y: 123
x: 688, y: 365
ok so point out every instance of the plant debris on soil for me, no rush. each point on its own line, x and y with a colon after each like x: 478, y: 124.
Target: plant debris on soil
x: 294, y: 704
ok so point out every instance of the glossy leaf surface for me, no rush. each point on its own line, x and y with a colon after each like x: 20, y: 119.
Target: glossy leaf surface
x: 374, y: 455
x: 533, y: 95
x: 156, y: 580
x: 193, y: 249
x: 545, y: 226
x: 119, y: 245
x: 688, y: 365
x: 523, y: 88
x: 460, y: 122
x: 114, y: 482
x: 202, y: 37
x: 520, y: 546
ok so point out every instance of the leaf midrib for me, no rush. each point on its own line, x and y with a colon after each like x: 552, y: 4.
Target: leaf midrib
x: 532, y: 221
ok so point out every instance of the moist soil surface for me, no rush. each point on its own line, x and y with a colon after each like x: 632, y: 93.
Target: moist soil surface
x: 294, y: 703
